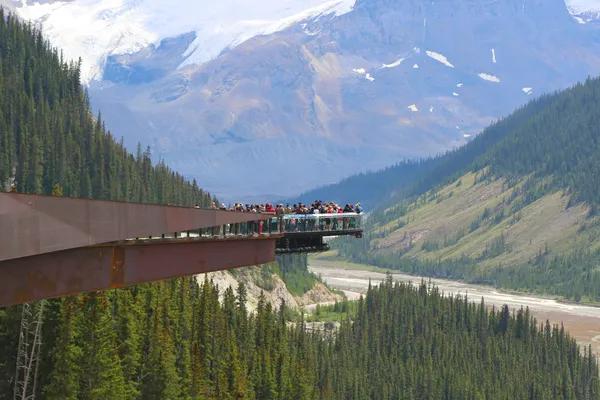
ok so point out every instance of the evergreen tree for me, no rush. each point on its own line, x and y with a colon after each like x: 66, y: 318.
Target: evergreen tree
x: 128, y: 315
x: 101, y: 373
x: 67, y: 354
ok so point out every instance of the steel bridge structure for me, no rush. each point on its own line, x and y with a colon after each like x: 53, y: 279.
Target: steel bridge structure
x: 57, y: 246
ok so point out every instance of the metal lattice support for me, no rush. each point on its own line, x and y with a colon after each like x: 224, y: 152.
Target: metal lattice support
x: 28, y: 351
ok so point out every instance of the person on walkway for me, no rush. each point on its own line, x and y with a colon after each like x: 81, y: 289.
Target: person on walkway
x: 358, y: 208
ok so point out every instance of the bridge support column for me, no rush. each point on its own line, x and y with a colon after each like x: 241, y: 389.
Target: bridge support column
x: 88, y: 269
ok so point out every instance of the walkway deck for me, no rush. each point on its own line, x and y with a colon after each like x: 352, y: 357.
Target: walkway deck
x: 57, y: 246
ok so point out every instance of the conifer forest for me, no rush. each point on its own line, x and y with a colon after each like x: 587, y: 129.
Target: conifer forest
x: 181, y: 339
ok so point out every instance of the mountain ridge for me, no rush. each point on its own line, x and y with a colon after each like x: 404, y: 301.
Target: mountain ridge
x: 321, y: 100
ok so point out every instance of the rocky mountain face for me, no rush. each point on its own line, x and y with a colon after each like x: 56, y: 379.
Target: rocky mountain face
x: 337, y: 93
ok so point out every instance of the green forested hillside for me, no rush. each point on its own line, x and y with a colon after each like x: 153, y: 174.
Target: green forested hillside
x: 560, y: 141
x: 515, y: 208
x: 48, y: 138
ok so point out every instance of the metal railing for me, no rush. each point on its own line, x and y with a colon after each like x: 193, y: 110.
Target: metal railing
x: 289, y: 223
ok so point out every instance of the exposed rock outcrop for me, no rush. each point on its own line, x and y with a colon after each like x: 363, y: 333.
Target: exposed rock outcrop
x: 274, y: 293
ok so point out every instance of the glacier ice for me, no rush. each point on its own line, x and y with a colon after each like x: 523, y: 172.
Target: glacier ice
x: 96, y: 29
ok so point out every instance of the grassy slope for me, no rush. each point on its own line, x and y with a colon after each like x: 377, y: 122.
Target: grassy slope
x: 545, y: 222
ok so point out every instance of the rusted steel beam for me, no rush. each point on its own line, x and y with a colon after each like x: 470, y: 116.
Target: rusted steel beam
x: 34, y: 224
x: 104, y: 267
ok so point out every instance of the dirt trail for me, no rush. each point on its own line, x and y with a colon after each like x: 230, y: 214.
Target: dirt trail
x: 583, y: 322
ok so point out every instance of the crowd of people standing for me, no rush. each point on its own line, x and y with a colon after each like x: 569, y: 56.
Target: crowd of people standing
x: 298, y: 213
x: 318, y: 207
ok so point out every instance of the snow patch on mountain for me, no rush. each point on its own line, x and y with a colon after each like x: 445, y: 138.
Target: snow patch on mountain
x: 96, y: 29
x: 527, y: 90
x: 413, y: 107
x: 307, y: 32
x: 494, y: 56
x: 439, y: 57
x: 489, y: 77
x: 394, y: 64
x: 363, y: 72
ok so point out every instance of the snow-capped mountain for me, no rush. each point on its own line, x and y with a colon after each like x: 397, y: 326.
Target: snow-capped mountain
x: 584, y: 11
x: 275, y: 96
x: 97, y: 29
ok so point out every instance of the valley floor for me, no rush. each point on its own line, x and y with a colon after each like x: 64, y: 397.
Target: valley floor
x: 583, y: 322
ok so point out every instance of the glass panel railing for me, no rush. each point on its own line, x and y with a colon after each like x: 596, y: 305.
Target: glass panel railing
x: 321, y: 222
x: 290, y: 223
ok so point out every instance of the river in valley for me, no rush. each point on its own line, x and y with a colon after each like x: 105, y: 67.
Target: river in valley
x: 583, y: 322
